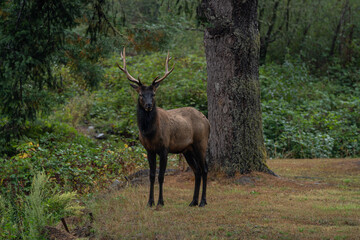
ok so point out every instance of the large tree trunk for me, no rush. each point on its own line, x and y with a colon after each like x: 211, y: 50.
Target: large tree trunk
x: 232, y: 44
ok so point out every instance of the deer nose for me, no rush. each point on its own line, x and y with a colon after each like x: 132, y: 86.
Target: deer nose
x: 148, y: 106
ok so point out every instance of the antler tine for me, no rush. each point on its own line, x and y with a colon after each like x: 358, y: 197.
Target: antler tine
x: 129, y: 77
x: 167, y: 72
x: 168, y: 58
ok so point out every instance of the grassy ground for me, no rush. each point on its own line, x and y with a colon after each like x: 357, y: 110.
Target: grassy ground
x: 312, y: 199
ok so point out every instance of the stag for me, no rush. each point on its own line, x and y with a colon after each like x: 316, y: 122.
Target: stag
x: 182, y: 130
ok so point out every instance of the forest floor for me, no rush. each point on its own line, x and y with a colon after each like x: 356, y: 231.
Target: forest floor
x: 311, y: 199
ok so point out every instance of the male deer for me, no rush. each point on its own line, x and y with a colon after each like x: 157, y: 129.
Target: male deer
x: 182, y: 130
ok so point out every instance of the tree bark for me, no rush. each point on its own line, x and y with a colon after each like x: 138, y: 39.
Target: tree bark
x: 232, y: 44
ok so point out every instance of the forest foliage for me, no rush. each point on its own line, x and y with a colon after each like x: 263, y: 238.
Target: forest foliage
x: 60, y: 87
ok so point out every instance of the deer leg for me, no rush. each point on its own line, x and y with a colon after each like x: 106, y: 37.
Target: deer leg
x: 204, y: 177
x: 195, y: 200
x: 197, y: 171
x: 152, y: 164
x: 200, y: 157
x: 163, y: 162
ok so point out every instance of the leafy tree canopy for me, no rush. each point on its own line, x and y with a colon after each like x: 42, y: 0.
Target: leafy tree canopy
x: 35, y: 37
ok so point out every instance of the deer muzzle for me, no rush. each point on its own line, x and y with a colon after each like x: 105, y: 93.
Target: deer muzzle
x: 148, y: 107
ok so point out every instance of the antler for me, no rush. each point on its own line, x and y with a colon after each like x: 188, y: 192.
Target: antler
x: 129, y: 77
x: 167, y: 72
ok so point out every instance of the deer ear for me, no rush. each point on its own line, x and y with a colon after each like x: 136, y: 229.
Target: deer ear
x: 136, y: 87
x: 155, y: 85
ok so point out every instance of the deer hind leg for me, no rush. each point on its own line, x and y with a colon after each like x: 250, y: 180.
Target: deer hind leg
x: 190, y: 158
x: 152, y: 164
x: 200, y: 155
x: 204, y: 177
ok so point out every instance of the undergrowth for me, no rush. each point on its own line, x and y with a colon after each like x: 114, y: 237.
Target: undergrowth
x: 25, y: 216
x: 71, y: 159
x: 306, y: 116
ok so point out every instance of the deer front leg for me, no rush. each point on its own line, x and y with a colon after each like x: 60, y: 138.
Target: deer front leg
x: 152, y: 164
x: 163, y: 162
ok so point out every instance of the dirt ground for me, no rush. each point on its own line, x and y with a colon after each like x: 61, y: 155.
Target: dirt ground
x: 311, y: 199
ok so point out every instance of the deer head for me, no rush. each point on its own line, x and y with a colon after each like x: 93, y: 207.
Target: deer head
x: 146, y: 93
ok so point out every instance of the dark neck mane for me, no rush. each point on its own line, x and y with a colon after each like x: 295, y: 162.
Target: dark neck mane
x: 146, y: 121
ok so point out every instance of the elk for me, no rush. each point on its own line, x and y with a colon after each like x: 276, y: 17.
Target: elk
x: 182, y: 130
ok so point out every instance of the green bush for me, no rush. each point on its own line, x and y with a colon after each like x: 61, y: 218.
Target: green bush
x: 75, y: 111
x: 26, y: 216
x: 46, y: 206
x: 71, y: 159
x: 8, y: 215
x: 308, y: 117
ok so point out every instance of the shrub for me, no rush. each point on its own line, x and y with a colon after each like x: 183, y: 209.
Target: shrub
x: 8, y: 225
x: 72, y: 160
x: 307, y: 117
x: 26, y: 216
x: 75, y: 111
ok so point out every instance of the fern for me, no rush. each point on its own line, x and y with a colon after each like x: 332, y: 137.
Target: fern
x: 46, y: 206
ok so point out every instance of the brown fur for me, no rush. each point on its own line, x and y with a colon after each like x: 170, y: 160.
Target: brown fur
x: 178, y: 130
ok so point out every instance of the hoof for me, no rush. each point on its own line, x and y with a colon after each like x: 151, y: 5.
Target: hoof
x: 202, y: 203
x: 160, y: 203
x: 150, y: 203
x: 193, y: 203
